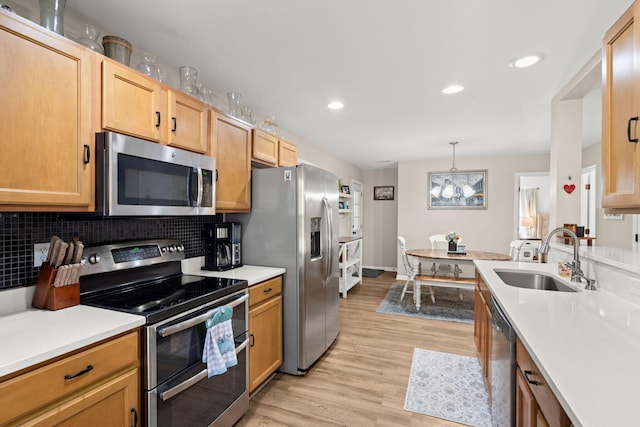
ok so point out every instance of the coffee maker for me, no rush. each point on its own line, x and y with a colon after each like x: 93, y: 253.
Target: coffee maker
x: 222, y: 246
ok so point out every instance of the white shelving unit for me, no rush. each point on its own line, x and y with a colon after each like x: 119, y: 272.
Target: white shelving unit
x: 350, y: 256
x: 345, y: 199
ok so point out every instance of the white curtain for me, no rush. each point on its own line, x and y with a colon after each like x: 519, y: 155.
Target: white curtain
x: 529, y: 217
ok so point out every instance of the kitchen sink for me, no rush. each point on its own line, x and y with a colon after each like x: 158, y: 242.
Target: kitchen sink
x: 531, y: 280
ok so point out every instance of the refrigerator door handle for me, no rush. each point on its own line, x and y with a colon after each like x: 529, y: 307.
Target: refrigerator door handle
x: 328, y: 211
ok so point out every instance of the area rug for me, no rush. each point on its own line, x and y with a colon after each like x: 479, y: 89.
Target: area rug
x: 448, y: 386
x: 371, y: 272
x: 448, y: 305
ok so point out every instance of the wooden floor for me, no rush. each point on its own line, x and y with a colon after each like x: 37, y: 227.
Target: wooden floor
x: 362, y: 379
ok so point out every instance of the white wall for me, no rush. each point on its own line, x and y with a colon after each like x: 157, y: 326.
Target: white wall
x: 482, y: 230
x: 380, y: 220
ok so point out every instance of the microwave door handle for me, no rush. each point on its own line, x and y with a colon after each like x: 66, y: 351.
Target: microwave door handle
x: 200, y: 187
x: 168, y: 394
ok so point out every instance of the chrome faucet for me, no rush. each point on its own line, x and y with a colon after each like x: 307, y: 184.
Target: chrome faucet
x: 576, y: 272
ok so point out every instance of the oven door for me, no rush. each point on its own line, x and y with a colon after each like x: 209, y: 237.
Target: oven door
x: 137, y: 177
x: 193, y: 399
x: 176, y: 386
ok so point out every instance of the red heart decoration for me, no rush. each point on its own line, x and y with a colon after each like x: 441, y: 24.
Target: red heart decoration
x: 569, y: 188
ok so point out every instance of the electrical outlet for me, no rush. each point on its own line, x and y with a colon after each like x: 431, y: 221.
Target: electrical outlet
x: 40, y: 252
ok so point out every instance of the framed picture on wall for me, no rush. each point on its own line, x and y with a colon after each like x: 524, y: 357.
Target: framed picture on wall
x: 457, y: 190
x: 383, y: 192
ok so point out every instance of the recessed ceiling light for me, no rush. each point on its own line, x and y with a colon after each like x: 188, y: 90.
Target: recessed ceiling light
x: 452, y: 89
x: 526, y: 61
x: 335, y: 105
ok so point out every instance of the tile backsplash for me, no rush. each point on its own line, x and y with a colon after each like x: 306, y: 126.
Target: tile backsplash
x: 21, y: 230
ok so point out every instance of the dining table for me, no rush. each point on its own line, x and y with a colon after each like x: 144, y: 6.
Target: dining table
x: 446, y: 269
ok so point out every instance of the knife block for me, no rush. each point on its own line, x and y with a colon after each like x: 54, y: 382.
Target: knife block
x: 52, y: 297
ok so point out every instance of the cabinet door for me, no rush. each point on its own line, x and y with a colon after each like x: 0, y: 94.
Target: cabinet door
x: 620, y: 156
x: 45, y: 124
x: 132, y: 102
x: 264, y: 148
x: 265, y: 351
x: 188, y: 123
x: 113, y: 403
x: 287, y: 154
x: 488, y: 343
x: 478, y: 315
x: 526, y: 407
x: 231, y: 141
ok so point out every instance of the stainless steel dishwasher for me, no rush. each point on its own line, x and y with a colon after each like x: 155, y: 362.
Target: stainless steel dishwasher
x: 502, y: 369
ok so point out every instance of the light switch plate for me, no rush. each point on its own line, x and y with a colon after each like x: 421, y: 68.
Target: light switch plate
x: 40, y: 252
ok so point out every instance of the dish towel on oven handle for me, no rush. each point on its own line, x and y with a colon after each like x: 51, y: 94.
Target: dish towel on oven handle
x: 219, y: 351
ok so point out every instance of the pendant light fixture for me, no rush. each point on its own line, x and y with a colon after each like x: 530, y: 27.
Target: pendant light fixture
x: 452, y: 188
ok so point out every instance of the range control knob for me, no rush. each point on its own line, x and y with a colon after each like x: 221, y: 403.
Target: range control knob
x: 164, y: 249
x: 180, y: 247
x: 172, y: 248
x: 94, y: 258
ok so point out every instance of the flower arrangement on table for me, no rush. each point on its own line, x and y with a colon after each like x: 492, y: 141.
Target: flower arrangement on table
x: 452, y: 236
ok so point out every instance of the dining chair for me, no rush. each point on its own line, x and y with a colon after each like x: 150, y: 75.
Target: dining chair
x: 410, y: 270
x: 514, y: 249
x: 440, y: 242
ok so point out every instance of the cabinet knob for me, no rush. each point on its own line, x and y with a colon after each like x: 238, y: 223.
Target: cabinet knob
x: 157, y: 119
x: 266, y: 291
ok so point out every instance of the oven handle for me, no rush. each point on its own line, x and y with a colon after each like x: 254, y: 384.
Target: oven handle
x: 169, y: 330
x: 168, y: 394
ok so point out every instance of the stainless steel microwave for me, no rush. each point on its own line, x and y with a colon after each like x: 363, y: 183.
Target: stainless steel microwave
x: 141, y: 178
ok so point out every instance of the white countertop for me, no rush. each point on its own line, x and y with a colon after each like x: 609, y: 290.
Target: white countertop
x: 251, y: 273
x: 586, y: 344
x: 32, y: 336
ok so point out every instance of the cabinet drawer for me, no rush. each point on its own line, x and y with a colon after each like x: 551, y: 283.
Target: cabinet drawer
x: 545, y: 398
x: 262, y: 291
x: 34, y: 389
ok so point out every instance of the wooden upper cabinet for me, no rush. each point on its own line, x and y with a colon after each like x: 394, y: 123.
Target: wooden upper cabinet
x: 269, y: 150
x: 287, y: 154
x: 264, y: 148
x: 231, y: 143
x: 188, y: 123
x: 621, y: 108
x: 46, y: 133
x: 132, y: 103
x: 137, y: 105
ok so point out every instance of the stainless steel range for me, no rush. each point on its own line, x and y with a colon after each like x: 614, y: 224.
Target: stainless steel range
x: 145, y: 278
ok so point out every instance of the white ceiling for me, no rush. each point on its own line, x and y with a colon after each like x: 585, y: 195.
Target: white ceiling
x: 386, y: 60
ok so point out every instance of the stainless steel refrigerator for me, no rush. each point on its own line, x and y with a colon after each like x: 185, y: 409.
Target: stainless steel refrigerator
x: 294, y: 224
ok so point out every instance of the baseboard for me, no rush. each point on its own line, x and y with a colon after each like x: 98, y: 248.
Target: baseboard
x: 380, y: 268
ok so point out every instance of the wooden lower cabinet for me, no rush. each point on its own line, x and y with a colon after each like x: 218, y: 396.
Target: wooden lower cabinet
x: 265, y: 330
x: 482, y: 329
x: 536, y: 405
x: 113, y: 403
x: 97, y: 385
